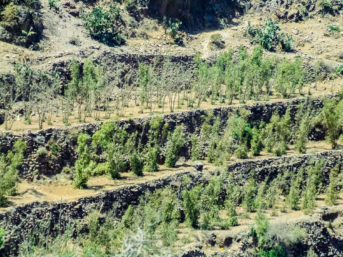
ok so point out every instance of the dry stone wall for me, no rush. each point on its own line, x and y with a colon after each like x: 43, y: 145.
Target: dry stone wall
x: 66, y: 138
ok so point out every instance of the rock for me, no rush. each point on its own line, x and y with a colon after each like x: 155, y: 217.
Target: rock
x: 198, y: 165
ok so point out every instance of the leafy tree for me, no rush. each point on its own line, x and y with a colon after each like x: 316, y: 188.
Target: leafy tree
x: 289, y: 77
x: 150, y: 159
x: 136, y: 164
x: 256, y: 142
x: 330, y: 118
x: 309, y: 195
x: 84, y: 165
x: 293, y: 198
x: 9, y: 167
x: 261, y: 228
x: 276, y: 134
x: 191, y: 205
x: 332, y: 191
x: 176, y: 141
x: 249, y: 194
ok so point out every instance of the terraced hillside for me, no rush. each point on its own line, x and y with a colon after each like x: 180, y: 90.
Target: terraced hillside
x: 171, y: 128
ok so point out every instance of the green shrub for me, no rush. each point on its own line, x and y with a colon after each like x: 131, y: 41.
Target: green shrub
x: 83, y: 165
x: 53, y: 4
x: 276, y: 134
x: 9, y: 167
x: 136, y: 164
x: 2, y: 235
x: 339, y: 70
x: 268, y: 36
x: 277, y: 252
x: 249, y: 194
x: 176, y: 141
x: 103, y: 137
x: 116, y: 160
x: 256, y: 142
x: 241, y: 152
x: 309, y: 195
x: 191, y: 205
x: 289, y: 77
x: 293, y: 198
x: 261, y: 228
x: 196, y: 151
x: 101, y: 25
x: 331, y: 195
x: 330, y: 119
x: 127, y: 219
x: 131, y: 5
x: 150, y: 159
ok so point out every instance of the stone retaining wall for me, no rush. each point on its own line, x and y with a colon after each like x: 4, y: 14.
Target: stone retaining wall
x: 66, y: 138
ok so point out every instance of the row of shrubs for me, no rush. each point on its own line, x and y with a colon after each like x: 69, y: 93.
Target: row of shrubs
x: 157, y: 225
x: 112, y: 150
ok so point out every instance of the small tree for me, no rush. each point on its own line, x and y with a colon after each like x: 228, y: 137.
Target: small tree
x: 84, y: 165
x: 256, y: 142
x: 309, y: 195
x: 330, y: 118
x: 176, y: 141
x: 9, y: 167
x: 191, y: 205
x: 249, y: 194
x: 150, y: 159
x: 293, y: 198
x: 261, y: 228
x: 136, y: 164
x: 332, y: 192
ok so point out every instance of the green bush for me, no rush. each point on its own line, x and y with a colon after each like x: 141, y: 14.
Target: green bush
x: 101, y: 25
x: 330, y: 119
x: 332, y: 191
x: 2, y: 235
x: 196, y: 151
x: 289, y: 77
x: 277, y: 252
x: 249, y: 194
x: 136, y: 164
x: 293, y: 198
x: 191, y: 206
x: 83, y: 165
x: 268, y: 36
x: 150, y: 159
x: 256, y: 142
x: 276, y: 134
x: 176, y: 141
x: 9, y: 167
x: 339, y: 70
x: 261, y: 228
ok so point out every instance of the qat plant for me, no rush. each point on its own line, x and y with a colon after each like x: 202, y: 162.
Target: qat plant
x: 9, y: 166
x: 330, y: 118
x: 84, y: 165
x: 176, y: 141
